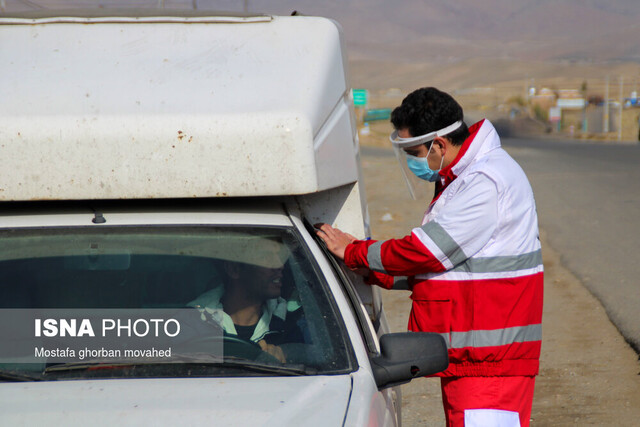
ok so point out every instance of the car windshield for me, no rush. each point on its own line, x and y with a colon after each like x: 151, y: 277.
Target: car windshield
x: 164, y: 301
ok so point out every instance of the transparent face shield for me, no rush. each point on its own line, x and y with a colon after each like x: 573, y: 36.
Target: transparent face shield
x: 415, y: 184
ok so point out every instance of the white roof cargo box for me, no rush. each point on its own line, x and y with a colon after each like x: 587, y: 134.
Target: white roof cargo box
x: 100, y: 108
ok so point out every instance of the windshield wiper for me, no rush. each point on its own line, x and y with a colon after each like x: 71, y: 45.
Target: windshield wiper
x: 246, y: 364
x: 17, y: 376
x: 190, y: 359
x: 263, y: 367
x: 100, y: 363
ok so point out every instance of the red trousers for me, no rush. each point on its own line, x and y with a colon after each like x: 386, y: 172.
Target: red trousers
x: 487, y: 401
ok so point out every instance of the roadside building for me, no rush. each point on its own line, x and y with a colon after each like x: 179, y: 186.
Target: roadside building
x: 572, y: 106
x: 545, y: 99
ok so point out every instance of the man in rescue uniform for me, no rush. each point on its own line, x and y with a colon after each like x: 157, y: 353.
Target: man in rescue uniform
x: 474, y: 265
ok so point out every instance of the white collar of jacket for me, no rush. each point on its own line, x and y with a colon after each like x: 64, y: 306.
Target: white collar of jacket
x: 483, y: 138
x: 211, y: 304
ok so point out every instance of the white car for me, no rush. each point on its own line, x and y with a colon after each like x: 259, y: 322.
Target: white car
x: 161, y: 172
x: 148, y: 257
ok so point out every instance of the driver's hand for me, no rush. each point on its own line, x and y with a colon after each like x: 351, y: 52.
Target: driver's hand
x: 273, y: 350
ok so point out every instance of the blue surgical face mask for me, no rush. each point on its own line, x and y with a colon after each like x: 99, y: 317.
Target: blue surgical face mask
x: 420, y: 167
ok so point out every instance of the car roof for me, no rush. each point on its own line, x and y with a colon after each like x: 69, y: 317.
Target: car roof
x: 178, y: 104
x: 122, y: 12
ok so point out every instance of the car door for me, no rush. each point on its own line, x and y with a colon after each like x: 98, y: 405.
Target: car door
x: 369, y: 329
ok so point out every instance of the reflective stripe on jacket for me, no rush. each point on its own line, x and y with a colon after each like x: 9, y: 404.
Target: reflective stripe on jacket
x: 474, y: 266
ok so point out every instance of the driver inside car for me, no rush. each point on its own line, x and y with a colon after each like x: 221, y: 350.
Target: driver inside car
x: 249, y: 303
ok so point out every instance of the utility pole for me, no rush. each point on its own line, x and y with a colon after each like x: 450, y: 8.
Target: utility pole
x: 620, y: 111
x: 605, y: 128
x: 583, y: 90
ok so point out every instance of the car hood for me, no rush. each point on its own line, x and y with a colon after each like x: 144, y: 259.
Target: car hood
x: 318, y: 400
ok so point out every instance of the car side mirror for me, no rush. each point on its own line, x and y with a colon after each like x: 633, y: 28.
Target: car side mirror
x: 408, y: 355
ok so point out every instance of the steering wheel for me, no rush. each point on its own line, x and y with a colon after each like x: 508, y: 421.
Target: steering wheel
x: 232, y: 346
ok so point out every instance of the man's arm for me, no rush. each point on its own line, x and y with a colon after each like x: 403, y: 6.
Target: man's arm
x: 407, y: 255
x: 463, y: 226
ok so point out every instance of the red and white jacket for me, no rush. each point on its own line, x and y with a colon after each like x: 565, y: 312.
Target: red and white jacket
x: 475, y: 264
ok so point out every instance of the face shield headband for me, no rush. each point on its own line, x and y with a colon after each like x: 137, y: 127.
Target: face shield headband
x: 417, y: 140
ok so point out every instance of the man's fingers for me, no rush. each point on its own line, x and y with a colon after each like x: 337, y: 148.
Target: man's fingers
x: 327, y: 229
x: 333, y: 233
x: 276, y: 352
x: 273, y: 350
x: 322, y: 235
x: 335, y: 239
x: 326, y: 232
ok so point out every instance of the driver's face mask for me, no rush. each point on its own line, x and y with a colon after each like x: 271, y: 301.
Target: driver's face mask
x: 418, y: 167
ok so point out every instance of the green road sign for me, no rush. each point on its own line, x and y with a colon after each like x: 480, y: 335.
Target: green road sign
x: 360, y: 97
x: 377, y: 114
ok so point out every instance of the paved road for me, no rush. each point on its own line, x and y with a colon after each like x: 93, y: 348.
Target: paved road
x: 588, y: 198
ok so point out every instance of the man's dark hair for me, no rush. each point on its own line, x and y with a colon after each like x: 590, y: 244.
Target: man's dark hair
x: 427, y: 110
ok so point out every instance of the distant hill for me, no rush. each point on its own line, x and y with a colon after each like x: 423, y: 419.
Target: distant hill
x: 465, y: 43
x: 421, y: 30
x: 594, y: 30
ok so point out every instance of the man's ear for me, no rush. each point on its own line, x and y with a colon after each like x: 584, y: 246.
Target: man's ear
x: 440, y: 143
x: 232, y: 269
